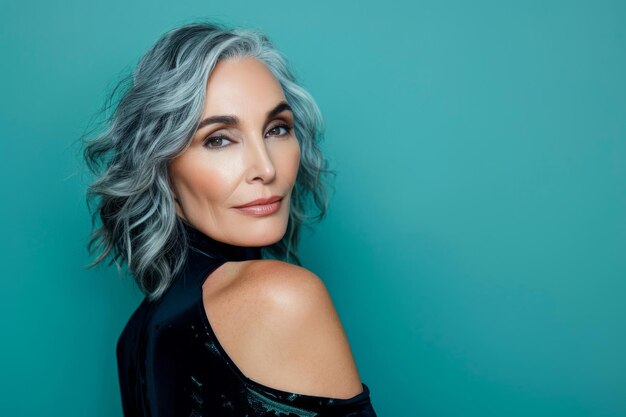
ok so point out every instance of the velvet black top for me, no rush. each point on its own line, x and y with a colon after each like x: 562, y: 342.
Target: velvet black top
x: 170, y: 362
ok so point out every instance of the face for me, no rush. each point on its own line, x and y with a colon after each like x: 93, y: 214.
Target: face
x: 245, y: 150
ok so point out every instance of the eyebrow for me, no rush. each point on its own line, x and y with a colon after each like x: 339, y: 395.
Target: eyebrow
x: 233, y: 120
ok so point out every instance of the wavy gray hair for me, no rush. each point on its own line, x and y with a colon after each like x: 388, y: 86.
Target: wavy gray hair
x: 154, y: 121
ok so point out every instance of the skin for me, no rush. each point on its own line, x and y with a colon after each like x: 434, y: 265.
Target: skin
x: 275, y: 320
x: 255, y: 158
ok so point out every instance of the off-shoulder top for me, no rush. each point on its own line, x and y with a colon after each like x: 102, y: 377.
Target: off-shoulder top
x: 170, y: 362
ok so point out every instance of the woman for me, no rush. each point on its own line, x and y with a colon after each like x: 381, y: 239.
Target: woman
x: 205, y: 167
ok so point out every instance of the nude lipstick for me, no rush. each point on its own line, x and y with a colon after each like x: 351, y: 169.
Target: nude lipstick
x: 262, y: 206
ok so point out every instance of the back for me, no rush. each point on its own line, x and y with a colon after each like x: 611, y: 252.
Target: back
x: 171, y: 363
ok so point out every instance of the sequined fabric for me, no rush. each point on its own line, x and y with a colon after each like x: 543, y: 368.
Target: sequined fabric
x: 170, y: 362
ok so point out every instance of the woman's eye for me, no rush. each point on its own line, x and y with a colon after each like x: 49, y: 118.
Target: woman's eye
x: 216, y: 142
x: 280, y: 130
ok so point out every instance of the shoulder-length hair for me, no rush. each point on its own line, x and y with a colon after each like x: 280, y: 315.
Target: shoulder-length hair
x: 152, y: 122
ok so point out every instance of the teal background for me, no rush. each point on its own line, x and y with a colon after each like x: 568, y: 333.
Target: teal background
x: 475, y: 248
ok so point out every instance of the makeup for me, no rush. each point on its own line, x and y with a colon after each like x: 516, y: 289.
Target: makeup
x: 262, y: 206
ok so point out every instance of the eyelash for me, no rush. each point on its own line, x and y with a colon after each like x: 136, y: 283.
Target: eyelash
x: 208, y: 140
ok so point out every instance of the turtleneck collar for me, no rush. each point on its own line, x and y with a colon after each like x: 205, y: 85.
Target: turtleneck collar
x: 199, y: 242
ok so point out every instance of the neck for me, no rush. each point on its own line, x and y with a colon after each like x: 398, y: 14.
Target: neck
x: 206, y: 245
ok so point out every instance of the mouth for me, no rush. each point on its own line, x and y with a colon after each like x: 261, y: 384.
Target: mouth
x: 261, y: 206
x: 261, y: 201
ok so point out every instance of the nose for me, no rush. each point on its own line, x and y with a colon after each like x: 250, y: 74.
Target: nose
x: 259, y: 162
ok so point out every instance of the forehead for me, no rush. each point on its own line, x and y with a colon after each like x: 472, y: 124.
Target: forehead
x: 241, y: 85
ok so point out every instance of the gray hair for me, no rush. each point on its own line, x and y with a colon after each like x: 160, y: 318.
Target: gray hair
x: 154, y: 121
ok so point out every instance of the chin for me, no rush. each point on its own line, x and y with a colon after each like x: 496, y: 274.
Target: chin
x: 263, y: 241
x: 256, y: 232
x: 264, y: 236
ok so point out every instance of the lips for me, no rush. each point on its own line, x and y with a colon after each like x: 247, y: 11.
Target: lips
x: 261, y: 201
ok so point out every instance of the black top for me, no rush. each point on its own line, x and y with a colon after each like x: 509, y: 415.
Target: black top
x: 170, y: 362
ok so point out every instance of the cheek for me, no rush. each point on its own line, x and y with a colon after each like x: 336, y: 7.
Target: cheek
x: 290, y: 161
x: 200, y: 181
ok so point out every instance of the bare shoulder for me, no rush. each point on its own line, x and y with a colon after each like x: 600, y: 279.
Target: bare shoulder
x: 279, y: 325
x: 281, y: 282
